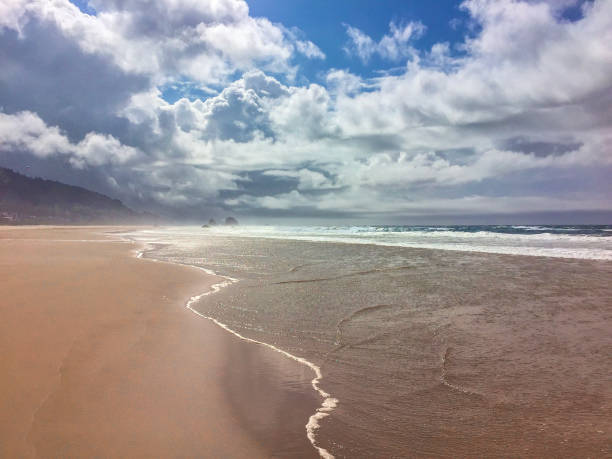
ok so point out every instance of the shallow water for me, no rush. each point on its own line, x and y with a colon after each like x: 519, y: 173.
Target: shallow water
x: 430, y: 352
x: 580, y: 241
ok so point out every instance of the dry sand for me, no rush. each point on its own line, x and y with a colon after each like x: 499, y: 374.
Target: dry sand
x: 100, y: 358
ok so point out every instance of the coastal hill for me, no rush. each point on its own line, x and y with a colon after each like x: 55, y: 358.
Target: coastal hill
x: 26, y: 200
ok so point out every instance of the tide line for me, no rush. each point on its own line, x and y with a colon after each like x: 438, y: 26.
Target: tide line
x: 329, y: 402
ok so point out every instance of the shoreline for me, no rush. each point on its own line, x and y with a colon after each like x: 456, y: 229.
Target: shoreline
x: 441, y: 351
x: 328, y: 404
x: 97, y: 365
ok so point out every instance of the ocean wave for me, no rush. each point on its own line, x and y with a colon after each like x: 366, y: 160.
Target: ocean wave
x: 480, y: 239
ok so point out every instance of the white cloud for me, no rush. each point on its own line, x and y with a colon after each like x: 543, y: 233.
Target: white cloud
x: 382, y: 170
x: 393, y: 46
x: 168, y: 39
x: 309, y: 49
x: 344, y: 82
x: 26, y: 131
x: 305, y: 113
x: 524, y: 60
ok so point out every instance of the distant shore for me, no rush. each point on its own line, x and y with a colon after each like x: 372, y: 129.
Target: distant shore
x: 100, y: 357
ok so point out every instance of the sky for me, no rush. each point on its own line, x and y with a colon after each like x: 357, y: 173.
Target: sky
x: 407, y: 111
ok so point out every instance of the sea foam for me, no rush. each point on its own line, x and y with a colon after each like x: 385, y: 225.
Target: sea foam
x: 554, y: 242
x: 329, y: 402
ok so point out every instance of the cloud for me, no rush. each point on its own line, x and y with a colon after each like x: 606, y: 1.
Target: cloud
x: 26, y: 131
x: 344, y: 82
x: 306, y: 179
x: 309, y: 49
x: 524, y: 60
x: 166, y: 39
x: 376, y: 206
x: 393, y: 46
x: 48, y: 73
x: 430, y: 168
x: 518, y: 120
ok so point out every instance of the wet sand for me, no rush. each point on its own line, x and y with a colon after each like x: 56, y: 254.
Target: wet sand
x: 100, y: 358
x: 430, y: 353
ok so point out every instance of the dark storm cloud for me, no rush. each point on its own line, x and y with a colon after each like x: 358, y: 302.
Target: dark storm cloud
x: 538, y: 148
x: 257, y: 183
x: 45, y: 72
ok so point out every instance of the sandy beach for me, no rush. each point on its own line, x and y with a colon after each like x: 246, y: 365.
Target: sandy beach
x: 100, y: 358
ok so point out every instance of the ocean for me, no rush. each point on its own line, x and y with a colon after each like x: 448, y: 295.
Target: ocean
x: 460, y: 341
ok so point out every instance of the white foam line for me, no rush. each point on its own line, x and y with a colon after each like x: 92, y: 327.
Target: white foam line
x: 138, y: 252
x: 329, y: 402
x: 449, y: 384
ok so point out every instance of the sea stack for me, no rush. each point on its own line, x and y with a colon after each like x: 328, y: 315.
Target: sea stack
x: 210, y: 223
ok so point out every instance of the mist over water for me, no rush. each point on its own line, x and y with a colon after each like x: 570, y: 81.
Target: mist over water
x: 462, y: 353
